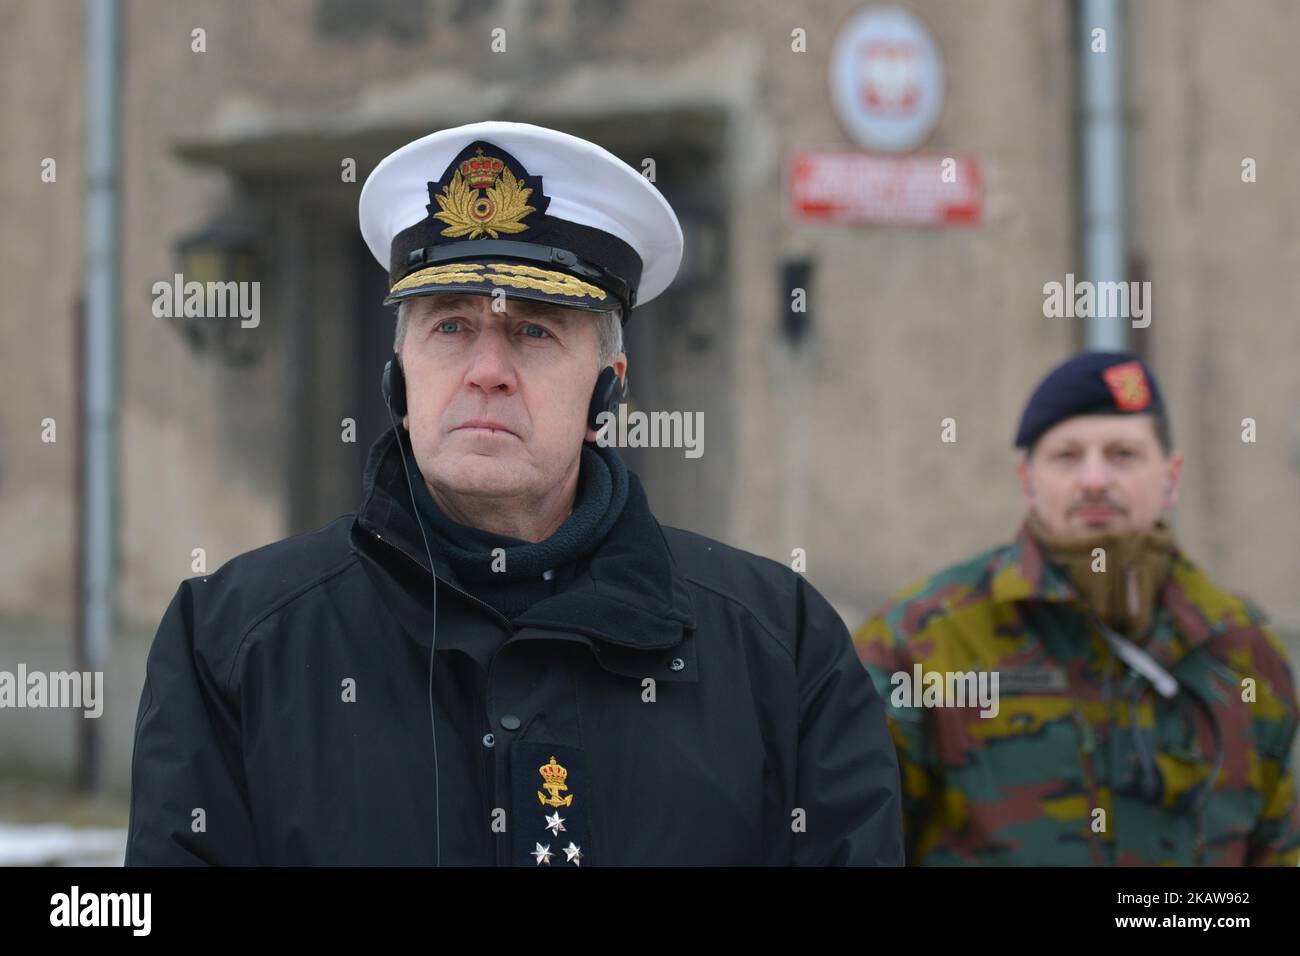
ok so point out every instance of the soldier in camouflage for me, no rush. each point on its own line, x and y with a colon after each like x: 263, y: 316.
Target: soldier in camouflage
x: 1144, y: 716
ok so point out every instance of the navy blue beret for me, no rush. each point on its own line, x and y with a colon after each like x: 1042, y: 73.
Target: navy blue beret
x: 1089, y: 383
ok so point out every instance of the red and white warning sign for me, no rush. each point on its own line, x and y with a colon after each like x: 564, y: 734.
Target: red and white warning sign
x: 851, y: 187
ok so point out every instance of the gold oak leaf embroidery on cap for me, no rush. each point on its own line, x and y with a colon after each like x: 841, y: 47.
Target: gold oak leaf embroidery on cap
x: 483, y: 197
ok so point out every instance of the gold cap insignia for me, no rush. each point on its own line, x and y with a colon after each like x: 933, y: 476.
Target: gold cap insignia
x: 483, y: 198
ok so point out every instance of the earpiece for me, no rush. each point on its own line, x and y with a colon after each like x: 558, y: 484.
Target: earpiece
x: 609, y: 391
x: 394, y: 387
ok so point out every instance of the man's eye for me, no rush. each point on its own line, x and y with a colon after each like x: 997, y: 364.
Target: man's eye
x: 448, y: 325
x: 1064, y: 455
x: 536, y: 331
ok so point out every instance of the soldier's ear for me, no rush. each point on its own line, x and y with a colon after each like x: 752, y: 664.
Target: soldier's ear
x: 1174, y: 479
x: 1026, y: 481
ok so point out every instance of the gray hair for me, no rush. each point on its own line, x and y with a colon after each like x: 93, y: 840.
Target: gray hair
x: 610, y: 331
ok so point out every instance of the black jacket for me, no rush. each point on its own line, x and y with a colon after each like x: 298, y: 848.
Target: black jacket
x: 691, y: 704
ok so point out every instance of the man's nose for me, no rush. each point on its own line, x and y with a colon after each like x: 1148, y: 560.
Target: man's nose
x: 1096, y: 476
x: 491, y: 367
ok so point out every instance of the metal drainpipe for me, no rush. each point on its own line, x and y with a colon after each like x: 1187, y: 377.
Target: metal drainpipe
x: 1101, y: 142
x: 99, y: 413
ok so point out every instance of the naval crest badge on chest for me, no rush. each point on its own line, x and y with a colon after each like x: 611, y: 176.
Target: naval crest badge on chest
x: 553, y: 782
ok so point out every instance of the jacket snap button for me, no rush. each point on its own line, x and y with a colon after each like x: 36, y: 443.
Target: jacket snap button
x: 676, y: 664
x: 510, y: 722
x: 488, y: 740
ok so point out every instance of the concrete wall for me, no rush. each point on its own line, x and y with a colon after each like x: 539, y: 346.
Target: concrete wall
x: 1213, y: 85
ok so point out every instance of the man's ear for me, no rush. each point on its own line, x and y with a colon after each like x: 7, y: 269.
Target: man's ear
x: 1026, y: 480
x: 620, y: 369
x: 1173, y: 479
x: 406, y: 417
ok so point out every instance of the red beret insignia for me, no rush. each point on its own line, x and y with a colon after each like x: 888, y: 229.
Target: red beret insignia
x: 1128, y: 386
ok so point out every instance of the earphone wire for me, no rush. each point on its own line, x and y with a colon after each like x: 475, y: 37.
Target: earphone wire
x: 433, y: 641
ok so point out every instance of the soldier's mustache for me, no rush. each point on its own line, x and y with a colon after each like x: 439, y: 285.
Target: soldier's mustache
x: 1097, y: 502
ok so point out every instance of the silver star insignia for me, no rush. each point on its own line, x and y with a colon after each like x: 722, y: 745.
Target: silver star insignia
x: 572, y: 854
x: 543, y: 854
x: 555, y: 823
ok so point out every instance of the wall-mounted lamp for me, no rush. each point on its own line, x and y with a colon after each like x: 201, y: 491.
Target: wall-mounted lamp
x: 222, y: 259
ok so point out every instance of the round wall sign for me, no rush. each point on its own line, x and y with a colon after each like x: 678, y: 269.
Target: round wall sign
x: 887, y: 79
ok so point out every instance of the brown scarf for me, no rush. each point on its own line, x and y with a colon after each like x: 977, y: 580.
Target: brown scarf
x: 1136, y: 569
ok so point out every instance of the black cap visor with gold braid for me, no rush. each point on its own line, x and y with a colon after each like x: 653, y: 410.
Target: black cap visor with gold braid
x: 488, y: 230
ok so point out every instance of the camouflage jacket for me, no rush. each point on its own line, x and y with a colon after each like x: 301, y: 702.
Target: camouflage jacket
x: 1084, y: 763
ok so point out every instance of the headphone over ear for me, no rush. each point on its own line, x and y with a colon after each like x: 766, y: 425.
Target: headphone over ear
x: 609, y: 391
x: 394, y: 387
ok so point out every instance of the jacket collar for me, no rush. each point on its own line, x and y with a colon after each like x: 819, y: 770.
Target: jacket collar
x: 627, y: 591
x: 1183, y: 620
